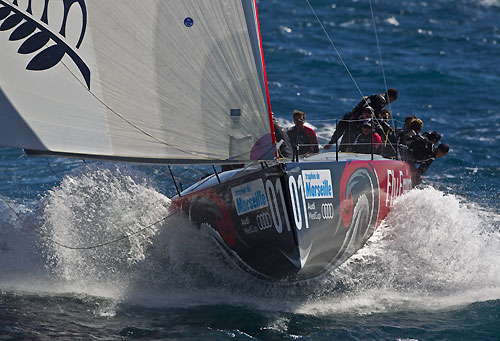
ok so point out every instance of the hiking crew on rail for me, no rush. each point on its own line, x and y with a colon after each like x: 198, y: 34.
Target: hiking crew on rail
x: 366, y: 130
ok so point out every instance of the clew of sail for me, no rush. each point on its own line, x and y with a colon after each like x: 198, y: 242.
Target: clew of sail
x: 178, y: 81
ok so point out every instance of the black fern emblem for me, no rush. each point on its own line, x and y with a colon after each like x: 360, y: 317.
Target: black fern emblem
x: 37, y: 36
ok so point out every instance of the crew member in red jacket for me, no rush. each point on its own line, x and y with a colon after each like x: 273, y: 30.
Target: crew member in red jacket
x: 306, y: 137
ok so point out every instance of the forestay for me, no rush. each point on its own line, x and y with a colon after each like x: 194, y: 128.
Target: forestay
x: 179, y: 81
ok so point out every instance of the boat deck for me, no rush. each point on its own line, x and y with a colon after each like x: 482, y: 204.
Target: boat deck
x: 322, y: 157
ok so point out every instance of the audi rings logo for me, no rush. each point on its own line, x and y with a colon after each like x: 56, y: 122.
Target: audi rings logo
x: 264, y: 221
x: 327, y: 211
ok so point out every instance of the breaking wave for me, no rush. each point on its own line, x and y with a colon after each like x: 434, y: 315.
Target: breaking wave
x: 433, y: 251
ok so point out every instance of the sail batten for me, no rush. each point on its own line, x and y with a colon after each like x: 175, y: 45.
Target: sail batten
x: 179, y: 80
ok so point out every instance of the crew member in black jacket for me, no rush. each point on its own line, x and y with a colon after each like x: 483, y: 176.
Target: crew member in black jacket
x: 349, y: 128
x: 377, y: 102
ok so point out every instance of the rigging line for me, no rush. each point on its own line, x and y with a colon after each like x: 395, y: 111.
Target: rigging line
x: 383, y: 71
x: 380, y: 53
x: 250, y: 164
x: 342, y: 60
x: 340, y: 57
x: 335, y: 48
x: 52, y: 169
x: 159, y: 171
x: 358, y: 120
x: 91, y: 247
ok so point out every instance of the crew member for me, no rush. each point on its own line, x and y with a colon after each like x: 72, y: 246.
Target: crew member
x: 305, y: 138
x: 367, y: 139
x: 384, y: 129
x: 377, y: 102
x: 416, y: 176
x: 434, y: 137
x: 386, y: 132
x: 349, y: 128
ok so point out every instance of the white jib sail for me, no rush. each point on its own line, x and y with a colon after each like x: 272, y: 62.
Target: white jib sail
x: 178, y: 81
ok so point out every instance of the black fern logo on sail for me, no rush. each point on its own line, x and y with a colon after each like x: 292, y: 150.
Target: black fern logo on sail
x: 37, y: 36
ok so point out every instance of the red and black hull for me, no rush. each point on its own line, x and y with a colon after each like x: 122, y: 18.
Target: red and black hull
x: 296, y: 220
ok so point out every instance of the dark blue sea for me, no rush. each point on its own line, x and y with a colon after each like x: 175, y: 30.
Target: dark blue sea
x: 430, y: 272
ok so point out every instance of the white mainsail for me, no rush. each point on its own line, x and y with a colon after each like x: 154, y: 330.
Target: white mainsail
x: 180, y: 81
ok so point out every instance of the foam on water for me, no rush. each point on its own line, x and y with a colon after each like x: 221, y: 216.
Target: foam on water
x: 433, y: 251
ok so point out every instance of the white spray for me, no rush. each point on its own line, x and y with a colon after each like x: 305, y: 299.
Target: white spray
x: 433, y: 251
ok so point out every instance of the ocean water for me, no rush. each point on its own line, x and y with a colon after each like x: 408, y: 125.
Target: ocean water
x: 430, y: 272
